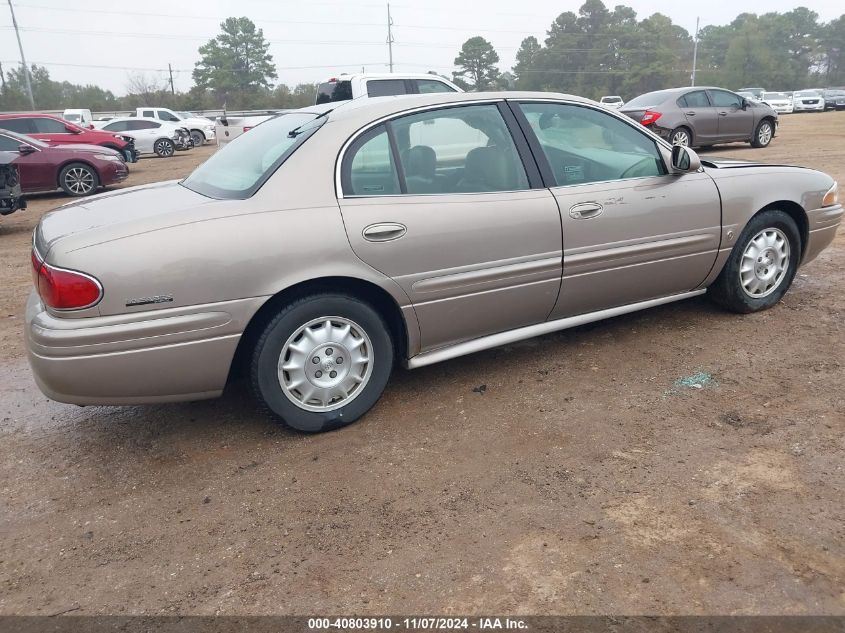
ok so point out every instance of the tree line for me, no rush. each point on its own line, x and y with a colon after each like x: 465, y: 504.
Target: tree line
x: 593, y: 52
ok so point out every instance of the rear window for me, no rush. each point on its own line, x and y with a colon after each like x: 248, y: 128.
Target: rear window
x: 22, y: 126
x: 238, y: 170
x: 647, y: 100
x: 334, y: 91
x: 611, y: 99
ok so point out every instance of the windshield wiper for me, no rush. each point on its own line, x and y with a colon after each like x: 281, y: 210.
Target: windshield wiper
x: 297, y: 130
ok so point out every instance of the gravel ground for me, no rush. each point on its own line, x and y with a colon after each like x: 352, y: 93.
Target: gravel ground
x: 677, y: 461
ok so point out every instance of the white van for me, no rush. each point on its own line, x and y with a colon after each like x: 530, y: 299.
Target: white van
x: 82, y: 118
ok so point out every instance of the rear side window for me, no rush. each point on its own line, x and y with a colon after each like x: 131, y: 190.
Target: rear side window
x: 142, y: 125
x: 117, y: 126
x: 697, y: 99
x: 386, y: 87
x: 428, y: 86
x: 148, y: 113
x: 369, y: 169
x: 331, y: 91
x: 21, y: 126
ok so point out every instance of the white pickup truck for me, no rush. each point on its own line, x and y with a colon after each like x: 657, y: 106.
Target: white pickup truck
x: 202, y: 129
x: 344, y: 88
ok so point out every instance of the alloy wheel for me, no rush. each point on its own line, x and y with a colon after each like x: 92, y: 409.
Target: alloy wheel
x: 325, y: 364
x: 764, y: 263
x: 163, y: 148
x: 79, y: 180
x: 764, y: 136
x: 680, y: 138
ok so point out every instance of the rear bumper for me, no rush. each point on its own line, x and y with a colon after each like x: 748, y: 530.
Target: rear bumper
x: 152, y: 356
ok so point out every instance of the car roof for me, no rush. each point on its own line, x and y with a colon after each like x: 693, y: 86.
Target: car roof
x: 18, y: 115
x: 385, y: 76
x: 366, y: 109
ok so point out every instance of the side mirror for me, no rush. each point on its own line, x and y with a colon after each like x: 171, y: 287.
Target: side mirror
x: 72, y: 129
x: 25, y: 149
x: 745, y: 104
x: 684, y: 159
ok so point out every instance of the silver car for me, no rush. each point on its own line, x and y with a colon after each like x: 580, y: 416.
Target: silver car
x: 333, y: 242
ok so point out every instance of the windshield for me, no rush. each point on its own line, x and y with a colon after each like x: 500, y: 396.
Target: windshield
x: 611, y: 99
x: 73, y: 117
x: 807, y: 93
x: 240, y: 168
x: 331, y: 91
x: 776, y: 95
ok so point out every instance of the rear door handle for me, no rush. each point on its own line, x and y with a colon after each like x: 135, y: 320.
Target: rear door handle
x: 723, y: 114
x: 384, y: 231
x: 690, y: 113
x: 585, y: 210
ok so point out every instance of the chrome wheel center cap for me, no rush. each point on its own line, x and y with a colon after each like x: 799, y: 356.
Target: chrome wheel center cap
x: 328, y: 365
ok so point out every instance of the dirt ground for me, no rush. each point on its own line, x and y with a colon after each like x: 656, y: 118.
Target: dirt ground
x: 680, y: 460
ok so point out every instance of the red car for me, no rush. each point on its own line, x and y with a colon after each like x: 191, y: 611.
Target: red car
x: 79, y: 170
x: 55, y: 131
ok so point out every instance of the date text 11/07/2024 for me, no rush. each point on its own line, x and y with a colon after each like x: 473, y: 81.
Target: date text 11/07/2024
x: 418, y: 624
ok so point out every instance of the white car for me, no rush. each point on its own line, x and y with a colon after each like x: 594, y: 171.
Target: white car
x: 151, y: 136
x: 347, y: 87
x: 808, y: 101
x: 612, y: 102
x: 201, y: 129
x: 780, y: 102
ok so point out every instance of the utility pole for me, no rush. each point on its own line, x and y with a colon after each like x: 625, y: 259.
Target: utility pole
x: 390, y: 39
x: 23, y: 59
x: 170, y: 69
x: 694, y: 53
x: 2, y: 79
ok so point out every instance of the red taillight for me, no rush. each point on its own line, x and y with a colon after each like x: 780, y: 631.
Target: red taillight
x: 650, y: 117
x: 62, y: 289
x: 247, y: 128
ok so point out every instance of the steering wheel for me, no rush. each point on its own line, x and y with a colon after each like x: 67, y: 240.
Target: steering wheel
x: 645, y: 167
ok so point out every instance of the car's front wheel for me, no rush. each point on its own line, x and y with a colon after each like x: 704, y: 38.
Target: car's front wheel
x: 322, y: 362
x: 198, y: 138
x: 164, y: 148
x: 763, y: 134
x: 79, y: 179
x: 761, y: 265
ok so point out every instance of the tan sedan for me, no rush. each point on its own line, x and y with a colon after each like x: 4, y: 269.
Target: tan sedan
x: 327, y: 244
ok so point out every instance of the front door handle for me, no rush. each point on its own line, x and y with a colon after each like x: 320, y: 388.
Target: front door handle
x: 384, y: 231
x: 585, y: 210
x: 690, y: 113
x: 723, y: 114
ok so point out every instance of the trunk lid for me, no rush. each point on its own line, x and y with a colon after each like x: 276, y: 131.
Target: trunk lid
x: 119, y: 214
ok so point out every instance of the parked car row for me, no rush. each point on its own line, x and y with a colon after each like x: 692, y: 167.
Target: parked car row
x: 812, y: 100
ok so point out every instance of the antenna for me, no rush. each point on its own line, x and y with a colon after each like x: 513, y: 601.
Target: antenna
x: 23, y: 60
x: 390, y: 39
x: 694, y: 53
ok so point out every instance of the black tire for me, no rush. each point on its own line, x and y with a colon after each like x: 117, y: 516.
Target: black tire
x: 164, y: 148
x: 728, y: 290
x: 198, y: 138
x: 681, y: 132
x: 264, y: 366
x: 760, y: 139
x: 79, y: 179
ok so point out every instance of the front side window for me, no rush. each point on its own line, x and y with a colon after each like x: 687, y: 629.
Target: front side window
x: 8, y: 144
x: 238, y: 170
x: 723, y: 99
x: 148, y: 113
x: 430, y: 86
x: 50, y: 126
x: 584, y: 145
x: 164, y: 115
x: 386, y: 88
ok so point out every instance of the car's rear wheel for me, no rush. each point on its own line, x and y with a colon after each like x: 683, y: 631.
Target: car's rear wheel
x: 763, y: 134
x: 680, y: 136
x: 761, y: 265
x: 322, y: 362
x: 164, y: 148
x: 198, y: 138
x: 79, y: 179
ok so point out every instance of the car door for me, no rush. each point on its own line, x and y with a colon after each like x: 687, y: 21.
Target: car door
x: 735, y: 123
x: 631, y: 230
x: 700, y: 115
x: 35, y: 170
x: 449, y: 204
